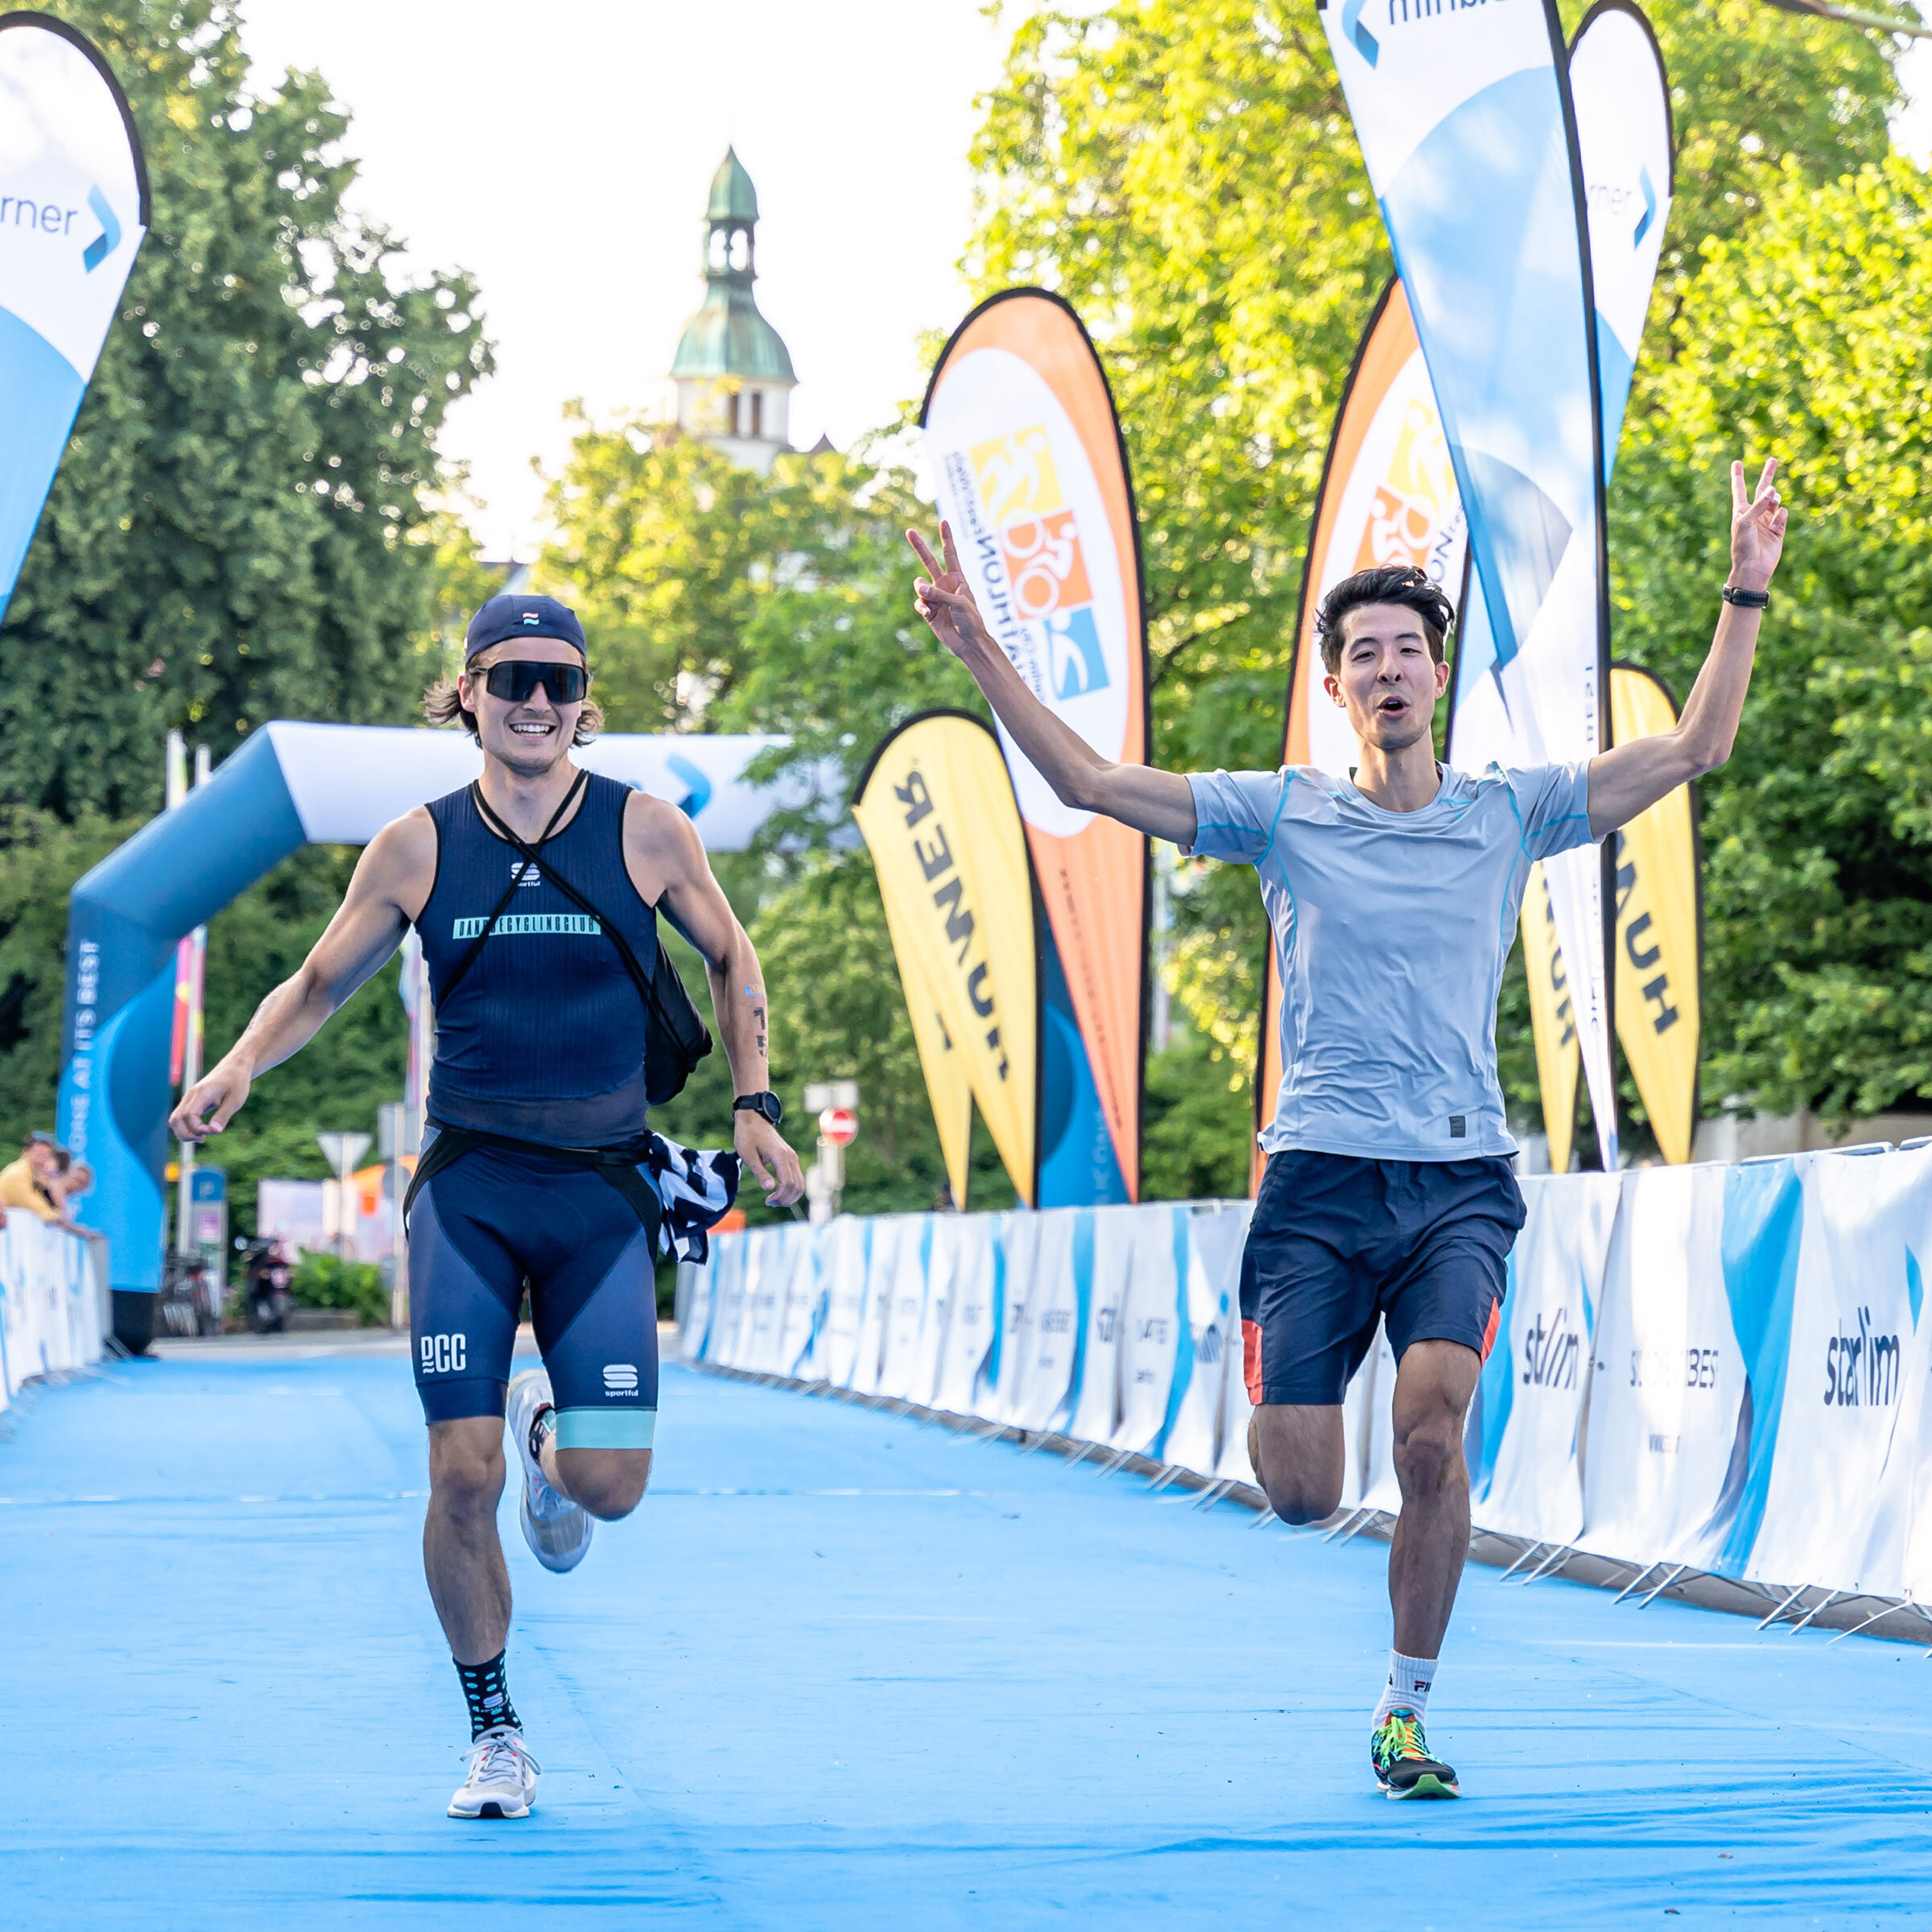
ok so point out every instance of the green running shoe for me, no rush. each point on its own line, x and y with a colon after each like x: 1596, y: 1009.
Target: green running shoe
x: 1403, y: 1766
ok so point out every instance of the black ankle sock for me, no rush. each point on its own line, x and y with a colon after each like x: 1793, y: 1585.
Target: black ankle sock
x: 487, y: 1690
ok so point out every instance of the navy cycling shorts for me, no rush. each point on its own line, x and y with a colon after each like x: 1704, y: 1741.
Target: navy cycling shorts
x: 1338, y: 1241
x: 493, y: 1222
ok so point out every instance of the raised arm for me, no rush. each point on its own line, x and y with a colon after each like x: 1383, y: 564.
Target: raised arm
x: 386, y: 892
x: 1160, y: 803
x: 664, y: 847
x: 1628, y: 780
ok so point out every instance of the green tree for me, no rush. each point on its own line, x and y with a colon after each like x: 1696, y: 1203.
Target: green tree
x: 229, y: 537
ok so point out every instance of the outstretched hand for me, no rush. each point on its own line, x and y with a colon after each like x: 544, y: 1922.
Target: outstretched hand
x: 942, y: 598
x: 1757, y: 528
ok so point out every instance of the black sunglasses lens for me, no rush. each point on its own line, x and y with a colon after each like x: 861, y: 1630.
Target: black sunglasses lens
x: 514, y: 683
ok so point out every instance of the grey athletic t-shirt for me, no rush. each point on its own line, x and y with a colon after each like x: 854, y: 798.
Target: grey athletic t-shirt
x: 1391, y: 929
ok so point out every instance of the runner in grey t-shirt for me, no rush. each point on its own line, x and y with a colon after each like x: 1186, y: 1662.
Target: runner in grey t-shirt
x: 1389, y: 1194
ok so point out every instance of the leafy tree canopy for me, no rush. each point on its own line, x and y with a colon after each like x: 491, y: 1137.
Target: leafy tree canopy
x: 229, y: 539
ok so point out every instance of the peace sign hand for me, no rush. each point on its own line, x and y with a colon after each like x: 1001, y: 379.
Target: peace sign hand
x: 1757, y: 529
x: 944, y: 600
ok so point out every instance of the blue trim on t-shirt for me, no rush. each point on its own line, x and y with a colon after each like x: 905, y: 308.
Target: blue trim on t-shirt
x: 1287, y: 786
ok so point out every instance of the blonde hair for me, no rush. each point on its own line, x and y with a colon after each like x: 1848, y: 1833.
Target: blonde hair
x: 442, y: 704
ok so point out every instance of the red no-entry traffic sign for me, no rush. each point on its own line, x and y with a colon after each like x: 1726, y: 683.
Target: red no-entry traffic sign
x: 839, y: 1125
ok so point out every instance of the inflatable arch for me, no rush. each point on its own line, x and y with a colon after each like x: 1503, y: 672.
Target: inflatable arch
x: 289, y: 785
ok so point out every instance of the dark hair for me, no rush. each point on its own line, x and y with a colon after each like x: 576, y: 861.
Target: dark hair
x: 442, y: 704
x: 1386, y: 583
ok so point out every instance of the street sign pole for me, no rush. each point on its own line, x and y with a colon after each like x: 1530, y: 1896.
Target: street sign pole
x: 342, y: 1151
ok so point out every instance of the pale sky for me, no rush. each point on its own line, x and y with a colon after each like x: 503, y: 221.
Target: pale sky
x: 562, y: 154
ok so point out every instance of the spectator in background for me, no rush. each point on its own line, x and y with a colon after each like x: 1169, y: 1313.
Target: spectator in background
x: 76, y: 1178
x: 28, y: 1182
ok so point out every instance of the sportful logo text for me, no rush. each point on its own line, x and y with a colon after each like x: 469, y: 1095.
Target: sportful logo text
x: 620, y: 1378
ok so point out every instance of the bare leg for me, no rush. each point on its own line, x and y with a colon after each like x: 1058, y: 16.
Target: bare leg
x: 469, y: 1582
x: 1433, y: 1386
x: 1299, y: 1460
x: 609, y: 1482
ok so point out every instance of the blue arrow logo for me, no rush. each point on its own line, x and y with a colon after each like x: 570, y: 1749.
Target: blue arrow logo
x: 1643, y: 227
x: 1365, y: 43
x: 698, y: 796
x: 104, y: 243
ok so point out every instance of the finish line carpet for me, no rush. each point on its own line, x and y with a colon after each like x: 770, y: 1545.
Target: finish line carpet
x: 843, y: 1670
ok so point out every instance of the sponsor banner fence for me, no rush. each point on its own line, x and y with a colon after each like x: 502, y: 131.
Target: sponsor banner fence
x: 1721, y: 1368
x: 54, y: 1310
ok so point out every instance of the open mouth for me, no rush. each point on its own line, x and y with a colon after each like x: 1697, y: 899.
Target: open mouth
x: 531, y: 728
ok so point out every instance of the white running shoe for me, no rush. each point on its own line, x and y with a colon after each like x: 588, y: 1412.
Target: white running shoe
x: 502, y: 1780
x: 557, y: 1530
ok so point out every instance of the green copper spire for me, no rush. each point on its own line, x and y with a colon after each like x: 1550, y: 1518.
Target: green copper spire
x: 728, y: 338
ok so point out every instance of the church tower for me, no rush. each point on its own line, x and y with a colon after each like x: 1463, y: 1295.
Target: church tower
x: 733, y: 372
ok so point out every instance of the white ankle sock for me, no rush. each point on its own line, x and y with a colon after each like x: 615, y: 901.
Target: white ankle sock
x: 1408, y: 1687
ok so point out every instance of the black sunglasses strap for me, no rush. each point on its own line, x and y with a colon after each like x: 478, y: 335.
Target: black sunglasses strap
x: 529, y: 854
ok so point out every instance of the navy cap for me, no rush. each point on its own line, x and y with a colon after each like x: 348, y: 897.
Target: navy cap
x: 504, y: 618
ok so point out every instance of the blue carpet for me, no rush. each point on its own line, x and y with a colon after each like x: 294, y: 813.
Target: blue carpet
x: 846, y: 1670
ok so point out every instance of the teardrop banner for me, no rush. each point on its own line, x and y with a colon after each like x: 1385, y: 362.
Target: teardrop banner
x: 1623, y: 135
x: 73, y: 208
x: 1030, y: 471
x: 936, y: 807
x: 1622, y: 96
x: 1466, y: 126
x: 1387, y: 495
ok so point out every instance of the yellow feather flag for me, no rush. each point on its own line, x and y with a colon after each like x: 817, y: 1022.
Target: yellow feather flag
x: 1659, y: 930
x: 1659, y: 952
x: 936, y: 807
x: 948, y: 1085
x: 1558, y: 1059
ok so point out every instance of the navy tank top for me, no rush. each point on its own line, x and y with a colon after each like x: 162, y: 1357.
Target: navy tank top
x: 543, y: 1038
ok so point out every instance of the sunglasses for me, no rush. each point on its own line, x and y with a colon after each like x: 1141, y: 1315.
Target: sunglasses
x: 566, y: 683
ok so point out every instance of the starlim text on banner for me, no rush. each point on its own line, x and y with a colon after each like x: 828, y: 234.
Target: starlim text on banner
x: 1027, y: 457
x: 936, y: 807
x: 73, y: 209
x: 1465, y: 120
x: 1387, y: 495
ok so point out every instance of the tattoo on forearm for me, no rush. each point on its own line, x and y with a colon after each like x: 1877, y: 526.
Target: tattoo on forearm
x: 756, y: 994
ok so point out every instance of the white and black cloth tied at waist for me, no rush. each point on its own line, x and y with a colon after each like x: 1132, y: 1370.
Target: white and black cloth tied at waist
x: 696, y: 1187
x: 680, y: 1193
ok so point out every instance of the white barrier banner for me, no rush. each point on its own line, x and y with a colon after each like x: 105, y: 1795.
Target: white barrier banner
x: 1836, y: 1510
x: 905, y: 1312
x: 1665, y: 1444
x: 1152, y: 1317
x: 1727, y: 1367
x: 1103, y: 1255
x: 875, y: 1312
x: 1525, y: 1480
x: 1207, y: 1238
x: 51, y: 1316
x: 970, y: 1316
x: 850, y: 1238
x: 804, y: 1316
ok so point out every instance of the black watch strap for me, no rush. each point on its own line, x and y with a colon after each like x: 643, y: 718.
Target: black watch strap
x: 767, y: 1104
x: 1747, y: 600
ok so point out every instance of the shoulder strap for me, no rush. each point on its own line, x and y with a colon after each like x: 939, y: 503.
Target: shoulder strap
x: 642, y: 980
x: 529, y: 853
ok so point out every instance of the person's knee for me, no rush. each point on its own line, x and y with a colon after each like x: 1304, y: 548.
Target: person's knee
x: 1301, y: 1500
x: 609, y: 1482
x: 1428, y: 1457
x: 466, y: 1470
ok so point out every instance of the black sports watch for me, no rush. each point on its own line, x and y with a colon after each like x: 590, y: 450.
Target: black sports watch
x: 767, y: 1105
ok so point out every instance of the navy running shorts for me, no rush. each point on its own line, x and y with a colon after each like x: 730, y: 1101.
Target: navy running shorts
x: 490, y: 1224
x: 1337, y: 1241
